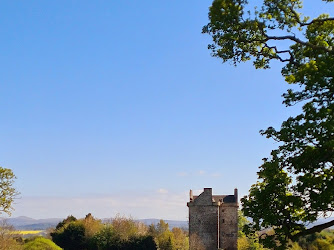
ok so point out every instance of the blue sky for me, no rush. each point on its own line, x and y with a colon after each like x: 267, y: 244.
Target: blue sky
x: 117, y: 107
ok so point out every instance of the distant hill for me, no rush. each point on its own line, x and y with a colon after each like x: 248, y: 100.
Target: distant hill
x: 27, y: 223
x: 171, y: 223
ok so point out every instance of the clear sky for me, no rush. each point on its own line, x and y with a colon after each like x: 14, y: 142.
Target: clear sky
x: 117, y: 107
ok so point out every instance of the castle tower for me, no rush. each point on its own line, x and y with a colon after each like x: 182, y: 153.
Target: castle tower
x: 228, y: 221
x: 213, y: 220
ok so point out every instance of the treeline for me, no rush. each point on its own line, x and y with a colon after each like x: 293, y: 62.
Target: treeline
x: 322, y: 241
x: 120, y: 233
x: 318, y: 241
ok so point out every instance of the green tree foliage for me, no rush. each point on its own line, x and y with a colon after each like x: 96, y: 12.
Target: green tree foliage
x: 92, y: 226
x: 71, y: 236
x: 163, y: 236
x: 109, y: 239
x: 166, y: 241
x: 121, y: 233
x: 323, y: 241
x: 127, y: 227
x: 242, y: 222
x: 66, y: 221
x: 76, y: 234
x: 296, y: 183
x: 91, y: 234
x: 181, y: 239
x: 124, y: 233
x: 106, y: 238
x: 169, y: 240
x: 7, y: 191
x: 40, y: 243
x: 249, y: 242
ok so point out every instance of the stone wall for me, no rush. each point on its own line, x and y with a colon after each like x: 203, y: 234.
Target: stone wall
x: 228, y: 226
x: 203, y: 228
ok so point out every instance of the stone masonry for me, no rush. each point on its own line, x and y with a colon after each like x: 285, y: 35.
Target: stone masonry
x: 213, y: 221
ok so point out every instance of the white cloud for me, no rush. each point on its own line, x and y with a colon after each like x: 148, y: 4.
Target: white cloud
x: 216, y: 175
x: 181, y: 174
x: 201, y: 172
x: 162, y: 191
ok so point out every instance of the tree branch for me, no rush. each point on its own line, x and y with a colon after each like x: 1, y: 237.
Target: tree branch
x: 297, y: 40
x: 291, y: 59
x: 309, y: 23
x: 314, y: 229
x: 317, y: 21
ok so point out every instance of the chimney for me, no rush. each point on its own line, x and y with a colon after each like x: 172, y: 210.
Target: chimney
x: 236, y: 195
x: 208, y: 190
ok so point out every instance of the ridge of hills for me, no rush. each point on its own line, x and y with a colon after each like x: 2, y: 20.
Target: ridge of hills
x: 27, y: 223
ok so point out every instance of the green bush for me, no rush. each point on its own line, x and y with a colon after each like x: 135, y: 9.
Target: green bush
x: 40, y: 243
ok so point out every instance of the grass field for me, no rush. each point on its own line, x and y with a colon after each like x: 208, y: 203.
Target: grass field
x: 29, y: 232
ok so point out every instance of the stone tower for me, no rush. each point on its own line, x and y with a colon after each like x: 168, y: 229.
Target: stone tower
x: 213, y: 220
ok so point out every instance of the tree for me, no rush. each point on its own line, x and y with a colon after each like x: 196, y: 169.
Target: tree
x: 70, y: 234
x: 77, y: 234
x: 7, y: 191
x: 71, y: 237
x: 125, y: 227
x: 166, y: 241
x: 249, y: 242
x: 106, y: 238
x: 66, y: 221
x: 181, y: 239
x: 162, y: 227
x: 296, y: 183
x: 164, y: 238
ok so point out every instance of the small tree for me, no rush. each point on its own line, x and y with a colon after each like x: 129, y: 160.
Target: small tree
x: 126, y: 227
x: 166, y: 241
x: 7, y: 191
x: 162, y: 227
x: 181, y: 239
x: 8, y: 238
x: 164, y: 238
